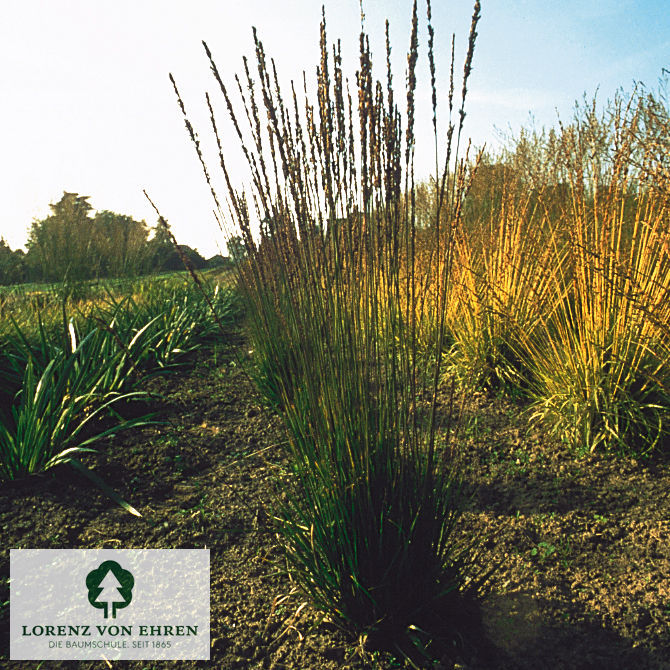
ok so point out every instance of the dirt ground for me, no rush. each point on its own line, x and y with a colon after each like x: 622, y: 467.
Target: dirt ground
x: 583, y: 545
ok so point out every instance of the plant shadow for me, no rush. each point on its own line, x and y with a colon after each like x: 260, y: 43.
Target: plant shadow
x: 526, y: 639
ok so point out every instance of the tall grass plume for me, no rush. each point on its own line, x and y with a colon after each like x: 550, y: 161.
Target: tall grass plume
x: 336, y: 307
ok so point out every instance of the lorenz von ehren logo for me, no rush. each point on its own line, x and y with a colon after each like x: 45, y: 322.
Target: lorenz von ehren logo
x: 109, y: 604
x: 110, y: 588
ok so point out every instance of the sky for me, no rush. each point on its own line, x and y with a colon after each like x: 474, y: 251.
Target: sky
x: 86, y: 104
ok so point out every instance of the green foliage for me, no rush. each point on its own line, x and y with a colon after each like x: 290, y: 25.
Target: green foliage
x: 180, y: 315
x: 121, y: 245
x: 12, y: 265
x: 61, y: 380
x: 61, y: 246
x: 236, y: 249
x: 72, y: 245
x: 48, y: 424
x: 161, y: 248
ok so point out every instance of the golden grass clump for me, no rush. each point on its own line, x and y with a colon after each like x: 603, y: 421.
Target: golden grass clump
x: 602, y: 361
x: 561, y: 278
x: 505, y: 273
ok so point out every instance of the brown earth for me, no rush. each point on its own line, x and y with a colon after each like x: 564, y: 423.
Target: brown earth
x: 582, y: 545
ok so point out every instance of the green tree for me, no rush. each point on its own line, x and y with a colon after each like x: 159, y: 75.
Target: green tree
x: 73, y: 244
x: 166, y: 257
x: 62, y: 246
x: 121, y: 244
x: 12, y: 264
x: 161, y: 247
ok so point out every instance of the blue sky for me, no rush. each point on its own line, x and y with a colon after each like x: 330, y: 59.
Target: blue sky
x: 87, y: 105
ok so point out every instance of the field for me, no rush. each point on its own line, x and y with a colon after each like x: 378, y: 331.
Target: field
x: 420, y: 424
x: 583, y: 543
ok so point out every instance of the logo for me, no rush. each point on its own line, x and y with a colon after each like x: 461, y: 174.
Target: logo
x: 110, y: 588
x: 109, y: 604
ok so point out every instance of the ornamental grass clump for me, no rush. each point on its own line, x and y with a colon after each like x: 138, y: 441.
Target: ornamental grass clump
x: 601, y: 359
x: 505, y: 272
x: 334, y: 302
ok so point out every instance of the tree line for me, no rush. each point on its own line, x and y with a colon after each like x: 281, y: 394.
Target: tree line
x: 74, y: 243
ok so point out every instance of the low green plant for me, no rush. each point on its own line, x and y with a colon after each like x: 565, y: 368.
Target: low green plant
x: 66, y: 384
x: 181, y: 316
x: 55, y: 409
x: 542, y: 551
x: 163, y: 319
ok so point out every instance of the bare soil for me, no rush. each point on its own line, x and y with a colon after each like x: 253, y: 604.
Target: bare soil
x: 583, y: 545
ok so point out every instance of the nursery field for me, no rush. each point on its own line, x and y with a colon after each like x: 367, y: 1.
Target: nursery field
x: 582, y: 545
x: 423, y: 423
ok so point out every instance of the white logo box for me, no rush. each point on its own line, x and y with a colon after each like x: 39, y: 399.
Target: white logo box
x: 139, y: 604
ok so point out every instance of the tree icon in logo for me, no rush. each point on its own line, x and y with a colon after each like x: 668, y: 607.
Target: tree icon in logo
x: 110, y: 587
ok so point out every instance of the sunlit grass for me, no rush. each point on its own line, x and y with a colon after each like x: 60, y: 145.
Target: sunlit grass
x: 602, y: 360
x: 506, y: 276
